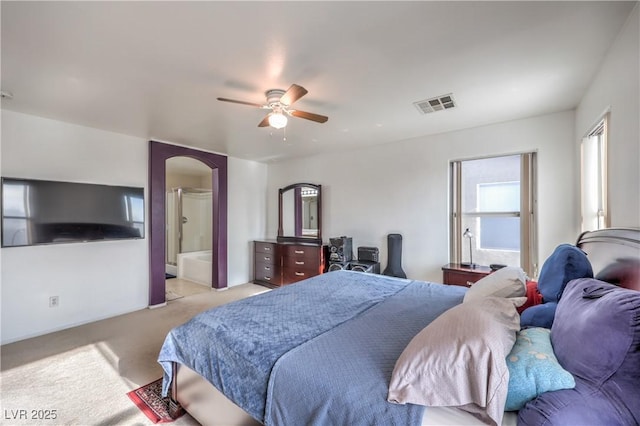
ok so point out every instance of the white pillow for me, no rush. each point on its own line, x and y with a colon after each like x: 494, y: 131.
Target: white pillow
x: 510, y: 281
x: 459, y: 360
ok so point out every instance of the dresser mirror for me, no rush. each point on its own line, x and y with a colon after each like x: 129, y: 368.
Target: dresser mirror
x: 300, y: 213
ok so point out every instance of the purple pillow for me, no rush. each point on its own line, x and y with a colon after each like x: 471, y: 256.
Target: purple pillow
x: 569, y: 407
x: 596, y: 337
x: 596, y: 334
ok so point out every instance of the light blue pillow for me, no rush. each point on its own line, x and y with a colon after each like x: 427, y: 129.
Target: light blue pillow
x: 533, y: 368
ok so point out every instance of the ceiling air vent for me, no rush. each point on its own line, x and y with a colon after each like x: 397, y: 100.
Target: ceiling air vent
x: 435, y: 104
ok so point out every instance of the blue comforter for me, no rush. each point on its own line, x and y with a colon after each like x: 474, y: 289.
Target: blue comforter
x: 279, y: 355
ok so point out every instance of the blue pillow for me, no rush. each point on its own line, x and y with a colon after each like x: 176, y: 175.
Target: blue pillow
x: 533, y: 368
x: 539, y: 315
x: 566, y: 263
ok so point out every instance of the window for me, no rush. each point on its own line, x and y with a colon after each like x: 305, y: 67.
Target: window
x: 499, y: 232
x: 134, y: 212
x: 594, y: 178
x: 492, y: 211
x: 15, y: 198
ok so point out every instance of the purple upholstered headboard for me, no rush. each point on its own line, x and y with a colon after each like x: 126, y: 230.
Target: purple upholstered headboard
x: 614, y: 254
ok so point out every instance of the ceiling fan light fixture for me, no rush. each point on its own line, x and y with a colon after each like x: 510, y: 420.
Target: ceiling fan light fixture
x: 277, y: 120
x: 279, y: 102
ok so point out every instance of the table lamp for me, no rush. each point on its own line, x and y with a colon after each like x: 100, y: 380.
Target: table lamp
x: 468, y: 234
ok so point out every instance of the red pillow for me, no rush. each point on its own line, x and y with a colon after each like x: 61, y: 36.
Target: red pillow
x: 533, y: 296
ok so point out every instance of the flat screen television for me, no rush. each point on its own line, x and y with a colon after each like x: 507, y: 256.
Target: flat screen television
x: 49, y: 212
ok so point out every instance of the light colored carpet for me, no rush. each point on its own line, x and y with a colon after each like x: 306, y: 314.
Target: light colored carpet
x: 84, y: 373
x: 180, y: 287
x: 169, y: 296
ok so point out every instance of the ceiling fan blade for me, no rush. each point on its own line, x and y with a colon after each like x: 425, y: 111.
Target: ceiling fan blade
x: 292, y: 94
x: 309, y: 116
x: 241, y: 102
x: 264, y: 122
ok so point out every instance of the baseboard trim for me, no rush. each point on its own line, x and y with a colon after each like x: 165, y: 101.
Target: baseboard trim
x: 68, y: 325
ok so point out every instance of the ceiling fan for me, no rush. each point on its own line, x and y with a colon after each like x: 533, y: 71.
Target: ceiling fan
x: 279, y: 102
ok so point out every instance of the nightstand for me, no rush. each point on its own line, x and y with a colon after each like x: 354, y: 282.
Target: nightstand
x: 456, y: 274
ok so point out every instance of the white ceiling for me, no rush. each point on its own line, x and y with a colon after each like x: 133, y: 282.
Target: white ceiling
x: 155, y: 69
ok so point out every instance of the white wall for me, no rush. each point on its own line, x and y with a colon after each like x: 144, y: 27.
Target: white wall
x: 99, y: 279
x: 246, y: 216
x: 403, y: 187
x: 617, y: 87
x: 93, y: 280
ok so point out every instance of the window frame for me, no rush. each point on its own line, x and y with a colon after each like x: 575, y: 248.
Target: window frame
x: 527, y: 213
x: 600, y: 131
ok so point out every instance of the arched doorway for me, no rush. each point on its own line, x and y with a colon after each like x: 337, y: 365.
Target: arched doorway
x: 158, y: 154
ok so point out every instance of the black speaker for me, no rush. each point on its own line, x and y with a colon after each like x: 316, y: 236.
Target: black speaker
x: 369, y: 254
x: 340, y: 249
x: 394, y: 263
x: 338, y: 266
x: 365, y: 266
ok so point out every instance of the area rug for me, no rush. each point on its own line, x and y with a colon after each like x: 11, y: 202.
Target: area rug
x: 149, y: 400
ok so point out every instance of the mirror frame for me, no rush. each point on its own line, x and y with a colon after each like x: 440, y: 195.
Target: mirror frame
x: 158, y: 154
x: 298, y: 216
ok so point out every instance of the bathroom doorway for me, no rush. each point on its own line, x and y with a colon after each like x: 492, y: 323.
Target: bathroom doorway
x: 159, y: 153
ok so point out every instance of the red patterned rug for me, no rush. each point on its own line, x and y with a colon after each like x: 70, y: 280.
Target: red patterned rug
x: 148, y: 398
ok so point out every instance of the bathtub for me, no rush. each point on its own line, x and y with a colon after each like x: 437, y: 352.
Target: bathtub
x: 195, y: 266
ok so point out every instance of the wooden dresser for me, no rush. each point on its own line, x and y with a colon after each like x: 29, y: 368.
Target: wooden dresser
x: 278, y: 263
x: 456, y: 274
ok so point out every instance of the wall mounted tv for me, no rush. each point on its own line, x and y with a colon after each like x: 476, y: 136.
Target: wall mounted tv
x: 50, y: 212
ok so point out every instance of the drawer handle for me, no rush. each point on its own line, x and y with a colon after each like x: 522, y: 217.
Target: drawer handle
x: 299, y: 262
x: 267, y: 258
x: 267, y: 268
x: 300, y: 274
x: 267, y: 278
x: 267, y: 248
x: 299, y: 251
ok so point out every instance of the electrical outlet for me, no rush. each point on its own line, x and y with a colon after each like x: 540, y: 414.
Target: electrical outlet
x: 54, y: 301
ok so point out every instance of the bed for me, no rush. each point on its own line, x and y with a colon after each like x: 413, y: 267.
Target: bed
x: 327, y: 350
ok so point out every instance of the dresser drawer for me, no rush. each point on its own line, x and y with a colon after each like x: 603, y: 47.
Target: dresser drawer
x: 266, y: 269
x: 300, y: 263
x: 459, y: 278
x: 268, y: 277
x: 292, y: 275
x: 266, y: 258
x: 265, y: 248
x: 294, y: 251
